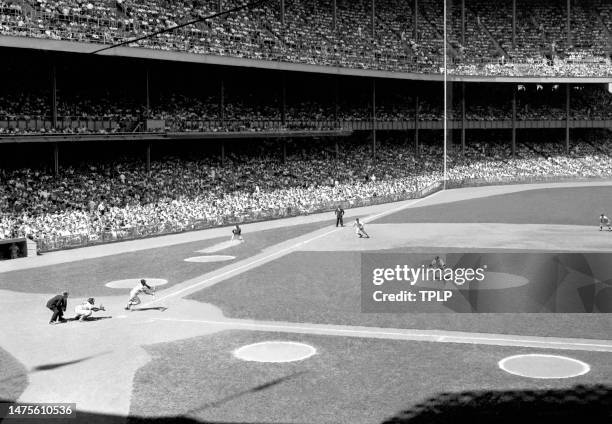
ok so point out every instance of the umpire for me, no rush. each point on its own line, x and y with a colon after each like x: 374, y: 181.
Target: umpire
x: 339, y: 214
x: 58, y: 305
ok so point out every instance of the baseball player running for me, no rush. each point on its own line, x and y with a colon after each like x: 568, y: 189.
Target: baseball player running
x: 143, y: 287
x: 360, y: 229
x: 604, y: 220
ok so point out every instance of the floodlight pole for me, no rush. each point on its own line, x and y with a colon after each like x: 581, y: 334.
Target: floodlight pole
x: 445, y: 100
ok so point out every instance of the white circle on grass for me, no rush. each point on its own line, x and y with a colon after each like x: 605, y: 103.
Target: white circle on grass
x: 275, y: 351
x: 130, y: 283
x: 544, y: 366
x: 211, y: 258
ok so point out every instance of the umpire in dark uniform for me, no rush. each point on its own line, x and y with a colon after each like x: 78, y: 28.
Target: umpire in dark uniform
x: 58, y: 305
x: 339, y: 214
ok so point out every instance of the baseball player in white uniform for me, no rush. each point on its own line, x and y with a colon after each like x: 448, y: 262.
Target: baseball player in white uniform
x: 86, y: 309
x: 360, y: 229
x: 143, y: 287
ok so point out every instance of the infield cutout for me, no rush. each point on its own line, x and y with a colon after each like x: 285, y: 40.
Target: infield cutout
x: 211, y: 258
x: 130, y: 283
x: 544, y: 366
x: 275, y: 351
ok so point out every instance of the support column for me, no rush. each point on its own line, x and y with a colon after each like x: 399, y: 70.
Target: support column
x: 337, y: 148
x: 282, y: 12
x: 219, y: 5
x: 567, y: 118
x: 569, y: 23
x: 222, y: 102
x: 334, y: 14
x: 56, y: 159
x: 463, y: 22
x: 54, y: 96
x: 374, y: 18
x: 416, y: 126
x: 283, y: 104
x: 336, y: 97
x: 284, y: 150
x: 513, y: 121
x: 223, y: 153
x: 147, y: 98
x: 374, y: 118
x: 463, y: 120
x: 513, y: 24
x: 416, y: 21
x: 148, y: 158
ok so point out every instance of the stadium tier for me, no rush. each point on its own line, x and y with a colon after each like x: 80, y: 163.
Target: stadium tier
x: 508, y: 38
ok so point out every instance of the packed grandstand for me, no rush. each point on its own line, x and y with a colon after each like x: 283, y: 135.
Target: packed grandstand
x: 499, y: 130
x: 544, y: 39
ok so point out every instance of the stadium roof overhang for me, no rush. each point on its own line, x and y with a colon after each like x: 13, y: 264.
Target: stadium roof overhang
x: 175, y: 56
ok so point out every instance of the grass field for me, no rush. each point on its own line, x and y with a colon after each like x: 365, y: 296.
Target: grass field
x: 292, y: 289
x: 87, y: 277
x: 564, y: 206
x: 350, y: 380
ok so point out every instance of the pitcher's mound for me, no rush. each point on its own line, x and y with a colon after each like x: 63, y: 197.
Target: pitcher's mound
x: 130, y: 283
x: 275, y: 352
x: 211, y: 258
x: 220, y: 246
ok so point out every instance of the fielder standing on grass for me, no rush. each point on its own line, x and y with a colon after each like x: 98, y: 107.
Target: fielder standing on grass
x: 143, y: 287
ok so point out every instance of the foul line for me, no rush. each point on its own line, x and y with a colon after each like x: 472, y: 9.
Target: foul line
x: 433, y: 336
x: 282, y: 251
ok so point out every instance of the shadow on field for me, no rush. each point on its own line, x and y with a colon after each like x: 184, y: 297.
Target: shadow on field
x: 55, y: 365
x: 91, y: 418
x: 581, y: 404
x: 586, y: 404
x: 153, y: 308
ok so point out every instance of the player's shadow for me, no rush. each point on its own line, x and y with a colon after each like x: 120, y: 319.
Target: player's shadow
x: 155, y: 308
x: 89, y: 319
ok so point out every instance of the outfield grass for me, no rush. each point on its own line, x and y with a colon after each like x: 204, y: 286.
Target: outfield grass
x: 324, y: 287
x: 87, y: 277
x: 349, y: 380
x: 563, y: 206
x: 13, y: 377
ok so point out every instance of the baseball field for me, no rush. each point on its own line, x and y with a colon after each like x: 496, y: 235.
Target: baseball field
x: 274, y: 329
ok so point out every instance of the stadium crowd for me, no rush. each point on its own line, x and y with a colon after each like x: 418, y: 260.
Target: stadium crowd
x: 104, y: 200
x: 28, y: 113
x: 307, y: 32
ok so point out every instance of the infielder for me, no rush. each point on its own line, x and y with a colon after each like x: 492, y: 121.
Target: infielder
x: 86, y: 309
x: 143, y: 287
x: 360, y: 229
x: 237, y: 233
x: 604, y: 220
